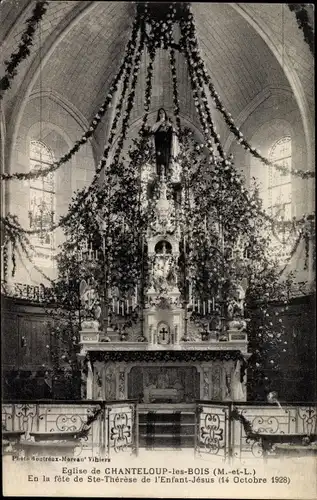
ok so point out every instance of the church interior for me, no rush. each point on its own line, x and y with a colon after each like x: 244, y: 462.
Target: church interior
x: 157, y: 213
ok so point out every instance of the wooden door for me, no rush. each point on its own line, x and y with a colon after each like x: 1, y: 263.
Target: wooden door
x: 34, y: 343
x: 10, y: 342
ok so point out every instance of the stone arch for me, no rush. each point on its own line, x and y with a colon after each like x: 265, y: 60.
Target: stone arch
x: 82, y: 9
x: 288, y: 69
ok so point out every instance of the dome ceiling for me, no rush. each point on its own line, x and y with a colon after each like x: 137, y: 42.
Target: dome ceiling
x: 82, y: 44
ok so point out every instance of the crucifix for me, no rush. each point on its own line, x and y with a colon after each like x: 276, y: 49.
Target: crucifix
x: 163, y: 335
x: 163, y: 331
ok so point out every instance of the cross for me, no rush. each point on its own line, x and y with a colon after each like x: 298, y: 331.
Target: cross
x: 163, y: 331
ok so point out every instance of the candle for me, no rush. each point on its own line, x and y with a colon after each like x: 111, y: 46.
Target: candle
x: 204, y: 307
x: 198, y: 305
x: 118, y: 306
x: 213, y: 303
x: 113, y: 304
x: 209, y: 306
x: 122, y: 308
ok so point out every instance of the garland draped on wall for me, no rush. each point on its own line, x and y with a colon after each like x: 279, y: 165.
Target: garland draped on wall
x: 125, y: 66
x: 162, y: 28
x: 24, y: 47
x: 304, y: 24
x: 162, y: 32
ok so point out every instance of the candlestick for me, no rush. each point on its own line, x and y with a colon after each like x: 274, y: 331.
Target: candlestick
x: 190, y: 292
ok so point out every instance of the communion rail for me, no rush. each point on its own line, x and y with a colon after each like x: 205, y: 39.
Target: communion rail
x: 224, y: 431
x: 229, y: 430
x: 100, y: 428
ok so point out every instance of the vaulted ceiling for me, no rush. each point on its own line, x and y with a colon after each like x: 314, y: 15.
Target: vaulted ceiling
x: 248, y: 48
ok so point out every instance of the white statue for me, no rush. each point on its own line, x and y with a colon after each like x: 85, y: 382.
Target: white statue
x: 237, y: 387
x: 164, y: 277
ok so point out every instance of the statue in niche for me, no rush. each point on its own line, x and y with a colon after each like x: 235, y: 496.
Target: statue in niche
x: 166, y: 143
x: 164, y: 277
x: 89, y: 300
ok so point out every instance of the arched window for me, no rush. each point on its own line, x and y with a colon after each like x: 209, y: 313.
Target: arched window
x: 280, y: 186
x: 42, y: 197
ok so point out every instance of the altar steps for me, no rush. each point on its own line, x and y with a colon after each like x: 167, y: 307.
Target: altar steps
x: 161, y: 429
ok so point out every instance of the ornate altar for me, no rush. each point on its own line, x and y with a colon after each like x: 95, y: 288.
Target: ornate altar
x: 163, y: 356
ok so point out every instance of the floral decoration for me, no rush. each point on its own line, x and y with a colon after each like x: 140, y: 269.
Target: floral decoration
x: 24, y: 46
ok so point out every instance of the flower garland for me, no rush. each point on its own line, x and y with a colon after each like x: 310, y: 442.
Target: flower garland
x: 14, y: 234
x: 24, y: 46
x: 96, y: 412
x: 161, y: 27
x: 247, y: 426
x: 199, y: 110
x: 304, y: 24
x: 189, y: 32
x: 131, y: 97
x: 175, y: 89
x: 95, y: 121
x: 207, y: 123
x: 80, y: 198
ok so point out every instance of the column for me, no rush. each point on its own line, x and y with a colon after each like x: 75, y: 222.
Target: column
x: 205, y: 385
x: 121, y: 391
x: 90, y: 380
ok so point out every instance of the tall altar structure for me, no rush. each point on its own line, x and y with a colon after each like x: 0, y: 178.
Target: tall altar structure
x: 165, y: 357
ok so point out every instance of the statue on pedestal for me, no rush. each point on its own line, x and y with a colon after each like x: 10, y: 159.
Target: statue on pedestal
x: 166, y: 143
x: 235, y: 308
x: 89, y: 300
